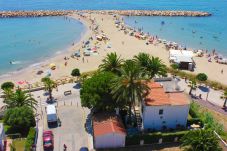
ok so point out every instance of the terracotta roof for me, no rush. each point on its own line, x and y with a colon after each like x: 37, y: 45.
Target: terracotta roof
x: 107, y: 123
x: 157, y: 96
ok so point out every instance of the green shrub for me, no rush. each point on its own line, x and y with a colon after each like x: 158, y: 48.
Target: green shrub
x: 30, y: 139
x: 194, y: 110
x: 201, y: 77
x: 75, y: 72
x: 175, y: 66
x: 7, y: 85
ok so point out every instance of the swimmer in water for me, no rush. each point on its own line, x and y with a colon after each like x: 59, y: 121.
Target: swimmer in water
x: 10, y: 62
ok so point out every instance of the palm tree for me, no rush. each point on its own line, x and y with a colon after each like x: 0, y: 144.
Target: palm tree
x: 49, y: 86
x: 142, y: 59
x: 200, y: 140
x: 152, y: 65
x: 192, y: 85
x: 19, y: 98
x: 156, y: 67
x: 111, y: 63
x: 224, y: 96
x: 130, y: 85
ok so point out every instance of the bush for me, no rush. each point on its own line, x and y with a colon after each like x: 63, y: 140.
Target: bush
x: 30, y: 139
x: 75, y: 72
x: 7, y: 85
x: 194, y: 110
x: 201, y: 77
x: 175, y: 66
x: 151, y: 138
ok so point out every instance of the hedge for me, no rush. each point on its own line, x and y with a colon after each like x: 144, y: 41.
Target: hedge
x: 152, y: 138
x: 30, y: 139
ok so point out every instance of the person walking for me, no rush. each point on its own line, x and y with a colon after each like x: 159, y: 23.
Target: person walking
x: 65, y: 147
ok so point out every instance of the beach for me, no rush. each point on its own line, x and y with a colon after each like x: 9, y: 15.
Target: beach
x: 124, y: 45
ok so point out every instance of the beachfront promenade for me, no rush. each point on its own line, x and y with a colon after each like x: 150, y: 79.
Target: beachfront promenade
x: 41, y: 13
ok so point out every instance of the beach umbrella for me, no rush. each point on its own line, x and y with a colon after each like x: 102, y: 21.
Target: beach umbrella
x: 52, y: 66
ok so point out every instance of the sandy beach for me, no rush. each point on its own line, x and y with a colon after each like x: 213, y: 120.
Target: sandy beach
x: 123, y: 44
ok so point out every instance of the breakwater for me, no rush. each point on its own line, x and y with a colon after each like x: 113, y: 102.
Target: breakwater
x: 41, y: 13
x: 152, y: 13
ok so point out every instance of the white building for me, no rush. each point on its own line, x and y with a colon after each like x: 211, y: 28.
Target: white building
x: 182, y: 57
x: 2, y: 137
x: 162, y: 110
x: 108, y: 131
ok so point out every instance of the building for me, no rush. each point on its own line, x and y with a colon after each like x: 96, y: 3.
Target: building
x: 2, y: 137
x: 164, y: 109
x: 183, y: 58
x: 108, y: 131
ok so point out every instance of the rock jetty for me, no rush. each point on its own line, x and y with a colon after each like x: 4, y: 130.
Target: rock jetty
x: 153, y: 13
x: 41, y: 13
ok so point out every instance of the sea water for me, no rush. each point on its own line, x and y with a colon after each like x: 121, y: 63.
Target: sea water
x: 25, y: 41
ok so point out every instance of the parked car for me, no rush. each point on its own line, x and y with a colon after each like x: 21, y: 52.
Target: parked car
x: 48, y: 140
x: 84, y: 149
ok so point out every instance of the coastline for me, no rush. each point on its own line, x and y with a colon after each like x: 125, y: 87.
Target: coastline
x: 44, y: 62
x: 124, y: 45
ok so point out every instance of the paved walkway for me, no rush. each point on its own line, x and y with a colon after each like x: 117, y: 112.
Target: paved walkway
x: 209, y: 98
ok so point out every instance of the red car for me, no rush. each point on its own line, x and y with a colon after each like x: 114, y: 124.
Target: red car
x: 48, y: 140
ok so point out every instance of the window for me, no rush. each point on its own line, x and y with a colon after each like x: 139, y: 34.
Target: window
x: 160, y: 111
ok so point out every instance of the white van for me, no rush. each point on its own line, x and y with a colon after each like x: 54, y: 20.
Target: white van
x: 51, y: 114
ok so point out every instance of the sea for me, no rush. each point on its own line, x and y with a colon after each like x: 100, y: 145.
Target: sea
x: 27, y: 40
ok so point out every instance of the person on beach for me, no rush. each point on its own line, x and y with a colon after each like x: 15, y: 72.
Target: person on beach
x: 222, y: 71
x: 83, y: 59
x: 66, y: 63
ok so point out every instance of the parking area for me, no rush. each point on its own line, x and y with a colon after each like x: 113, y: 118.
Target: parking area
x: 72, y: 131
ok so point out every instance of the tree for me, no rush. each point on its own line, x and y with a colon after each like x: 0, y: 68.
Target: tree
x: 49, y: 86
x: 200, y: 140
x: 131, y: 85
x: 96, y: 92
x: 156, y: 67
x: 20, y: 119
x: 224, y: 96
x: 192, y: 85
x: 202, y: 77
x: 7, y: 85
x: 19, y: 98
x: 151, y: 66
x: 75, y: 72
x: 111, y: 63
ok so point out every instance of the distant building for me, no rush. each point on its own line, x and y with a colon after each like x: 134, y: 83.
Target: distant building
x: 2, y: 137
x: 164, y: 109
x: 108, y: 131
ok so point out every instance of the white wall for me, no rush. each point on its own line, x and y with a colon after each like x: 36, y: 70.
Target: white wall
x: 112, y: 140
x: 172, y: 115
